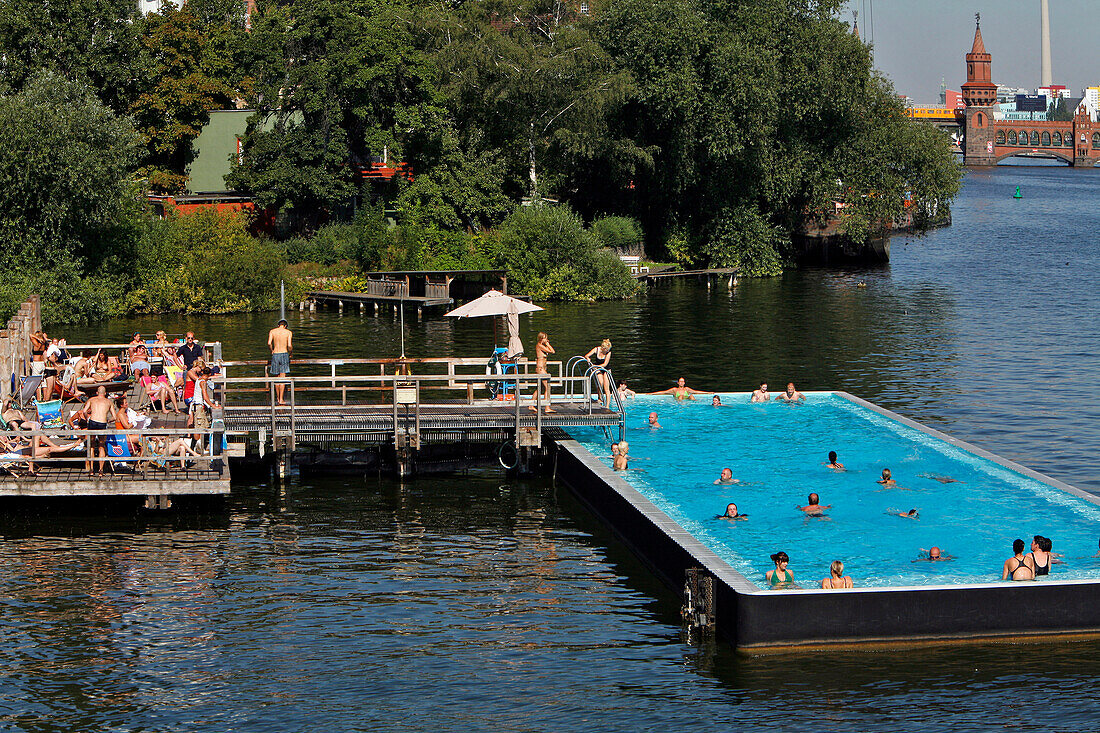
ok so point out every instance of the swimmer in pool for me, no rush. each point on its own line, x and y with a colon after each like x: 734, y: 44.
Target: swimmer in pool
x: 732, y: 515
x: 813, y: 507
x: 619, y: 461
x: 614, y: 450
x: 780, y: 577
x: 911, y: 514
x: 625, y: 391
x: 933, y: 555
x: 791, y: 395
x: 726, y: 477
x: 833, y: 463
x: 837, y: 580
x: 653, y: 420
x: 761, y: 395
x: 716, y: 401
x: 681, y: 391
x: 1019, y: 566
x: 886, y: 480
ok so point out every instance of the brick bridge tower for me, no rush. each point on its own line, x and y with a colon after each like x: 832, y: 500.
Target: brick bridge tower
x: 1083, y: 130
x: 979, y: 93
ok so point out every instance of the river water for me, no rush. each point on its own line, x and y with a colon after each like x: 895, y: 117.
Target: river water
x: 475, y: 602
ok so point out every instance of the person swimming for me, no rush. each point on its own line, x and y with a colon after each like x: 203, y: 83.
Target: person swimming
x: 911, y: 514
x: 681, y: 391
x: 813, y: 506
x: 1019, y: 566
x: 726, y: 477
x: 761, y: 394
x: 619, y: 463
x: 833, y: 463
x: 887, y: 479
x: 732, y: 515
x: 791, y: 394
x: 780, y: 576
x: 716, y: 401
x: 933, y: 555
x: 653, y: 423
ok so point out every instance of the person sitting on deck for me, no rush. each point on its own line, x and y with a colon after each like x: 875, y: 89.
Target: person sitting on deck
x: 834, y: 463
x: 886, y: 479
x: 105, y: 368
x: 761, y: 394
x: 780, y: 576
x: 813, y: 506
x: 619, y: 462
x: 173, y: 447
x: 83, y: 370
x: 653, y: 422
x: 139, y: 358
x: 726, y: 477
x: 36, y: 446
x: 1019, y: 566
x: 837, y: 580
x: 123, y: 422
x: 15, y: 418
x: 681, y: 391
x: 732, y: 515
x: 158, y: 390
x: 160, y: 344
x: 791, y: 395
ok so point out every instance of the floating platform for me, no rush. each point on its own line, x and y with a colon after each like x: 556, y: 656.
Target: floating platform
x: 757, y: 620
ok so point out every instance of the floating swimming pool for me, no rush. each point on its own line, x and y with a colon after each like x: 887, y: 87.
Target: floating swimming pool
x: 971, y: 503
x: 970, y: 506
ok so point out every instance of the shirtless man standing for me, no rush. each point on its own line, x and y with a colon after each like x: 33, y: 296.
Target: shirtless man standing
x: 279, y: 340
x: 100, y: 411
x: 761, y: 395
x: 681, y: 391
x: 791, y: 395
x: 542, y: 348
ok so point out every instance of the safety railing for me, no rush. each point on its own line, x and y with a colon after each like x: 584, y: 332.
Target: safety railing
x: 594, y: 373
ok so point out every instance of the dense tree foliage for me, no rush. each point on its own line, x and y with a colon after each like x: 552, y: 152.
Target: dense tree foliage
x: 725, y: 128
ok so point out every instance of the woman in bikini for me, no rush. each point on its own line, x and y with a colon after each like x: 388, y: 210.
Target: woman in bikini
x: 600, y: 356
x: 837, y: 579
x: 780, y: 577
x: 139, y: 358
x: 542, y: 348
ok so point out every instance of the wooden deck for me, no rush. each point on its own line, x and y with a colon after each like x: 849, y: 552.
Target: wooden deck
x: 133, y: 478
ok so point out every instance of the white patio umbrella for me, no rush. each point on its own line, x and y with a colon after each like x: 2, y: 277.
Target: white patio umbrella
x: 496, y: 303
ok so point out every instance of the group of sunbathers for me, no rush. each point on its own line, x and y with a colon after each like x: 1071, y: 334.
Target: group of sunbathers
x: 170, y: 374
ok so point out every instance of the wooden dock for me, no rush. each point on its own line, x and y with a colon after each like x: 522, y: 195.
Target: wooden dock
x: 668, y: 273
x: 419, y: 288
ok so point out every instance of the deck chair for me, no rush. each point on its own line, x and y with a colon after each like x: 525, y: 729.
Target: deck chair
x: 49, y: 414
x: 28, y: 388
x: 119, y: 454
x: 9, y: 462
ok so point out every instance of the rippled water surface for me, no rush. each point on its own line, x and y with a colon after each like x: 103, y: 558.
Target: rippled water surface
x: 477, y: 603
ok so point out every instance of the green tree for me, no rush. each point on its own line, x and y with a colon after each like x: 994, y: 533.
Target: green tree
x: 65, y: 161
x: 1058, y: 112
x: 184, y: 74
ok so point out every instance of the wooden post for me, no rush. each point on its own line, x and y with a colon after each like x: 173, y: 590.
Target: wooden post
x: 5, y: 365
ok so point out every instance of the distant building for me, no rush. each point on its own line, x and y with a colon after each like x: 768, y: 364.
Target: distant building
x: 1006, y: 93
x: 1054, y: 91
x: 155, y: 6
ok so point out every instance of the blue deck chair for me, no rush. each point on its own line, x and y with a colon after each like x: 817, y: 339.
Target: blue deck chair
x: 28, y: 387
x: 118, y: 452
x: 49, y: 414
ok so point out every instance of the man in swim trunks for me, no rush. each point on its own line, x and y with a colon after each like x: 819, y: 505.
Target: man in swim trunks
x: 681, y: 391
x: 542, y: 348
x: 791, y: 395
x: 833, y: 463
x: 100, y: 411
x: 1019, y: 566
x: 653, y: 420
x: 761, y: 395
x: 886, y: 480
x: 280, y: 341
x: 813, y: 506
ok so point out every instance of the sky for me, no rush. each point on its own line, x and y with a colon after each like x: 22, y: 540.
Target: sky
x: 918, y: 42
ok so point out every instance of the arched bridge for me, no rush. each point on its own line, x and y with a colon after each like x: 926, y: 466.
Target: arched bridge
x: 1076, y: 141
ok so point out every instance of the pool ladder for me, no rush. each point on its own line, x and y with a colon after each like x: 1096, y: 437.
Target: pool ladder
x: 591, y: 372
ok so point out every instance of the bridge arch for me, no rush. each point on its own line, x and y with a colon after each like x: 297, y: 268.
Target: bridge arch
x: 1056, y: 139
x: 1060, y: 155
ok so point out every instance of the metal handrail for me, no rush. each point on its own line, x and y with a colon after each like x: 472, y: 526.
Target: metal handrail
x: 570, y: 368
x: 592, y: 372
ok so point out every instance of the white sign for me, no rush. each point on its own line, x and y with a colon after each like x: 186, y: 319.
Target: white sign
x: 989, y: 147
x: 404, y: 394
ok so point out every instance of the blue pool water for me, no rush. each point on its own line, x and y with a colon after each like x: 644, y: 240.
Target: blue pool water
x: 779, y: 452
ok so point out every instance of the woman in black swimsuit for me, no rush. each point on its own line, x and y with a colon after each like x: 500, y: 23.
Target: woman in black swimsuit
x: 1040, y: 550
x: 600, y: 356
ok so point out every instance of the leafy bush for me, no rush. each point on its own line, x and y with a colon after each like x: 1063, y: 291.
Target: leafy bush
x: 741, y: 237
x: 550, y: 256
x: 618, y: 232
x: 205, y: 262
